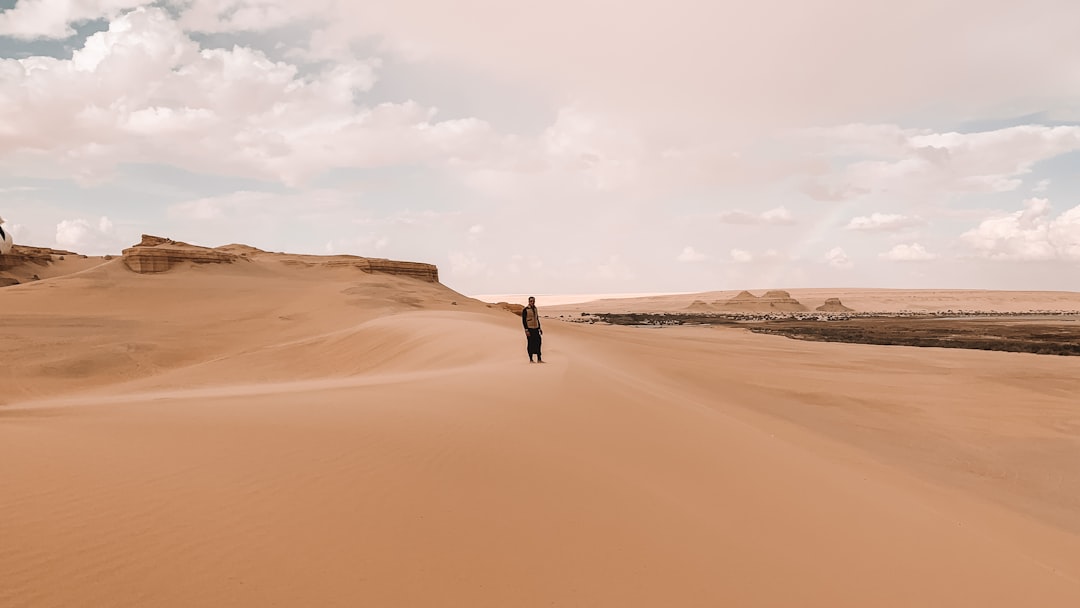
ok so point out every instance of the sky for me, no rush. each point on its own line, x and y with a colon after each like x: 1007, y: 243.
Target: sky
x: 585, y: 146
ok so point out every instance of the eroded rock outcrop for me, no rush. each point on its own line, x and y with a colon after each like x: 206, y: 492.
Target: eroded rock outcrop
x: 156, y: 254
x: 833, y: 305
x: 773, y: 301
x: 21, y: 254
x: 416, y: 270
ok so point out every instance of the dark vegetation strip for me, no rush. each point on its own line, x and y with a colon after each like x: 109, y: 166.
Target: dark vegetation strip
x: 1000, y: 334
x: 1041, y: 339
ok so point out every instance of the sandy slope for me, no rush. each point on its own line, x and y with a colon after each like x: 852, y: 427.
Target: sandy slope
x: 259, y: 435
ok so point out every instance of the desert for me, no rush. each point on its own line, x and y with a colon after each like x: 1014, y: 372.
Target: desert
x: 561, y: 304
x: 249, y: 428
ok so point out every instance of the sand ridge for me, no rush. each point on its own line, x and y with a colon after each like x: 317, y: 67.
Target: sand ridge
x: 264, y: 433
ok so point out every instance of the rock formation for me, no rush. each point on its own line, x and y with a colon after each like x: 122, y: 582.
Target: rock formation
x: 772, y: 301
x: 416, y: 270
x: 22, y: 256
x: 833, y: 305
x: 156, y: 254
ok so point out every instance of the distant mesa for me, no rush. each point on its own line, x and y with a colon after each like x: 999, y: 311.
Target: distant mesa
x: 155, y: 254
x: 772, y: 301
x: 833, y: 305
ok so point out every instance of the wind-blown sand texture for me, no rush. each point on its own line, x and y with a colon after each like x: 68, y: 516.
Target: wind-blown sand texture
x: 273, y: 433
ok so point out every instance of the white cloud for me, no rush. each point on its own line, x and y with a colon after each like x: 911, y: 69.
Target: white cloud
x: 884, y: 222
x: 31, y: 19
x: 249, y: 15
x: 144, y: 91
x: 918, y: 160
x: 82, y: 236
x: 520, y: 262
x: 741, y: 256
x: 254, y: 206
x: 513, y: 42
x: 765, y: 258
x: 534, y: 135
x: 1030, y: 234
x: 466, y: 264
x: 776, y: 217
x: 614, y: 269
x: 408, y: 217
x: 369, y: 245
x: 689, y: 255
x: 909, y: 253
x: 1041, y: 186
x: 837, y: 258
x: 476, y: 229
x: 607, y: 156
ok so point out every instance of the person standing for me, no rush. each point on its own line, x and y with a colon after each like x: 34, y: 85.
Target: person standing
x: 530, y: 319
x: 5, y: 239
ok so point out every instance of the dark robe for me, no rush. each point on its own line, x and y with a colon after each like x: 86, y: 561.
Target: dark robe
x: 534, y: 339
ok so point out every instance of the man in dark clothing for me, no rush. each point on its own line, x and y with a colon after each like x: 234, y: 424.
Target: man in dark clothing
x: 5, y: 239
x: 530, y: 320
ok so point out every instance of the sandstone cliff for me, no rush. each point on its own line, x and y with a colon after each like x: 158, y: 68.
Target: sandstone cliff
x: 21, y: 254
x: 24, y: 263
x: 156, y: 254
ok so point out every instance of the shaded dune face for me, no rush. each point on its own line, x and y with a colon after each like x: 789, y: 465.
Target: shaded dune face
x: 109, y: 325
x: 262, y: 432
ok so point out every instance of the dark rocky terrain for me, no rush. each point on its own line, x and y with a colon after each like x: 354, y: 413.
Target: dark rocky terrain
x: 1045, y: 333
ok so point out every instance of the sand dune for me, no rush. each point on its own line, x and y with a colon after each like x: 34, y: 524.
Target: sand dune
x: 273, y: 434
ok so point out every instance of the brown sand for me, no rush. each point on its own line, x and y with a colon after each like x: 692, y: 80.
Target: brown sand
x: 261, y: 434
